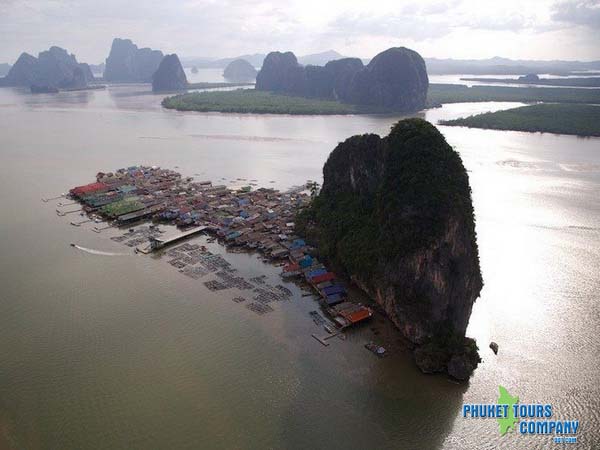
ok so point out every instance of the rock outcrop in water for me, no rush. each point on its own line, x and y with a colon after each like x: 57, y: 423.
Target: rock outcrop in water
x: 127, y: 63
x: 53, y: 68
x: 281, y: 73
x: 530, y: 78
x: 170, y: 75
x: 394, y: 80
x: 395, y: 214
x: 239, y: 70
x: 23, y: 72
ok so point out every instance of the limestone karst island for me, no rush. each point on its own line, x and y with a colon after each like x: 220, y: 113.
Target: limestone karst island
x: 299, y: 225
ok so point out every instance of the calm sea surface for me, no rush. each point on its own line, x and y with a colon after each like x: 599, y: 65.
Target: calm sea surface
x: 123, y: 352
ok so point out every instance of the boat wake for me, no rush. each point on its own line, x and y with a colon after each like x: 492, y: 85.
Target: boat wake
x: 98, y: 252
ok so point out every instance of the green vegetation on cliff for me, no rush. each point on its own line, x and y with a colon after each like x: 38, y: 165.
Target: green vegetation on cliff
x: 412, y: 181
x: 581, y: 120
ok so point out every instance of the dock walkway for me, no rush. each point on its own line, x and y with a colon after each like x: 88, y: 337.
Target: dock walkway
x: 157, y: 243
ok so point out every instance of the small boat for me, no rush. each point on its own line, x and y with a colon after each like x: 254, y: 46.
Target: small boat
x: 377, y: 349
x: 72, y: 245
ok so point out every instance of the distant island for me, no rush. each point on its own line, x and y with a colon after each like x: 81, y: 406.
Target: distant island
x: 534, y: 79
x: 437, y: 66
x: 240, y: 70
x: 257, y: 59
x: 395, y: 215
x: 395, y: 79
x: 580, y: 120
x: 127, y: 63
x: 53, y: 69
x: 169, y: 76
x: 456, y: 93
x: 251, y: 101
x: 506, y: 66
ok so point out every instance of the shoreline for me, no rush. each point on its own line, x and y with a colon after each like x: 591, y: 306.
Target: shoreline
x: 251, y: 101
x: 566, y: 119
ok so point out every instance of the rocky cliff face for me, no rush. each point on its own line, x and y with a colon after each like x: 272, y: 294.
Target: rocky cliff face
x: 87, y: 72
x: 239, y: 70
x: 170, y: 75
x: 395, y: 214
x: 281, y: 72
x: 54, y: 67
x: 23, y: 72
x: 127, y: 63
x: 395, y: 79
x: 342, y: 73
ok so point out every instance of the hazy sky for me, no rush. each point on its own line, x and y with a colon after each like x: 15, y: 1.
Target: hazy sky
x: 540, y: 29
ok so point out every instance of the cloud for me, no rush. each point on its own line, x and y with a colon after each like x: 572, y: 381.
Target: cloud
x: 513, y: 22
x: 406, y: 26
x: 578, y: 12
x: 220, y: 28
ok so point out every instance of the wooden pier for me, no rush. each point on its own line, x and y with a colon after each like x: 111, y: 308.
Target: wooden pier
x: 156, y: 243
x: 323, y: 339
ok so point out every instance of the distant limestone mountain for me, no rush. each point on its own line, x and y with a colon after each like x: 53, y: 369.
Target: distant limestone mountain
x: 281, y: 72
x: 320, y: 59
x: 257, y: 59
x: 505, y: 66
x: 4, y: 68
x: 127, y: 63
x: 240, y: 70
x: 97, y: 68
x: 491, y: 66
x: 24, y: 72
x: 87, y: 71
x: 54, y: 68
x: 395, y: 79
x: 169, y: 76
x: 343, y: 71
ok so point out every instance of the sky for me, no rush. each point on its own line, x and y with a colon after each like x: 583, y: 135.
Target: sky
x: 460, y: 29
